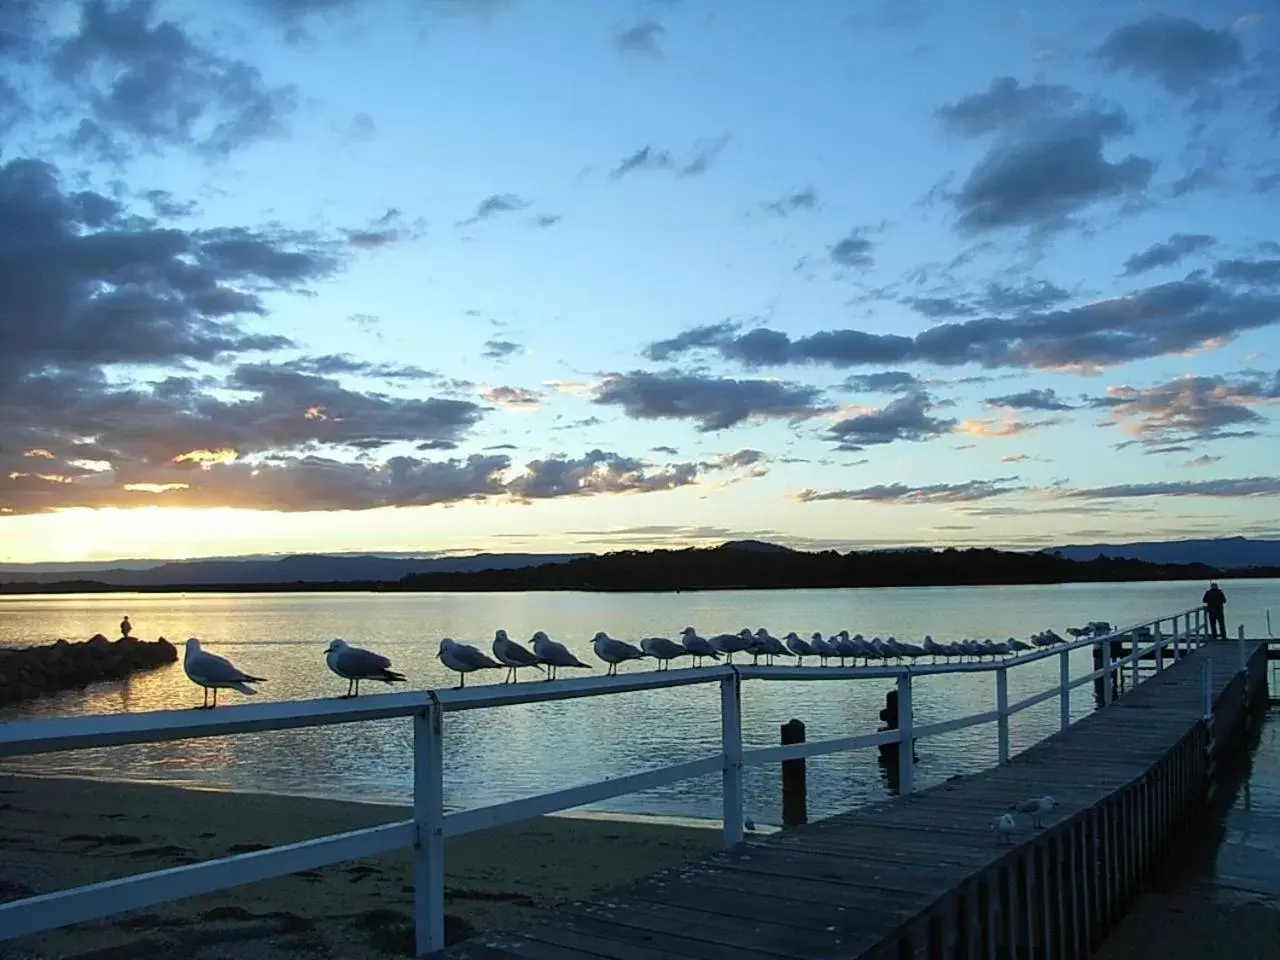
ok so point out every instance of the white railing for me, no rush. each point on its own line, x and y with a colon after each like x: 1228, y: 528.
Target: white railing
x: 431, y: 825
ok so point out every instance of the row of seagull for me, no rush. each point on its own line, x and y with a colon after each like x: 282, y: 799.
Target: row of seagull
x: 464, y: 658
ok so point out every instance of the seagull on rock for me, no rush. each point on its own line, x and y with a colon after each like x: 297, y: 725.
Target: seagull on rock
x: 614, y: 652
x: 513, y: 656
x: 353, y: 664
x: 215, y: 673
x: 1037, y: 808
x: 463, y: 658
x: 554, y: 655
x: 662, y: 650
x: 698, y: 646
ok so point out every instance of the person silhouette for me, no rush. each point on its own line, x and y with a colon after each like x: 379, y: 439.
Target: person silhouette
x: 1215, y: 601
x: 125, y: 626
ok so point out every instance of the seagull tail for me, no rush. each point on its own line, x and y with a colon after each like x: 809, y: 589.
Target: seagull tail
x: 390, y: 676
x: 255, y: 680
x: 244, y: 688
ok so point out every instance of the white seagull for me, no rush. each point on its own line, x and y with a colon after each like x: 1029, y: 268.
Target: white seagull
x: 799, y: 646
x: 823, y: 648
x: 1005, y: 826
x: 513, y: 656
x: 662, y: 650
x: 215, y: 673
x: 463, y: 658
x: 353, y: 665
x: 698, y: 646
x: 731, y: 643
x: 614, y: 652
x: 1037, y: 808
x: 554, y: 655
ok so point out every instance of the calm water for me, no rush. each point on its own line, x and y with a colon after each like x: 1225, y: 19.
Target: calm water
x: 507, y: 753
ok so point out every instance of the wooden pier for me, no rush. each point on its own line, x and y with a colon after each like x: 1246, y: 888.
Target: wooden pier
x: 924, y: 875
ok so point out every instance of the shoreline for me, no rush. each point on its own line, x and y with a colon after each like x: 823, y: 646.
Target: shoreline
x: 63, y: 831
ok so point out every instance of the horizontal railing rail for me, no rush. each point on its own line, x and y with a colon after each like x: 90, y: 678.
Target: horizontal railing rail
x: 431, y: 824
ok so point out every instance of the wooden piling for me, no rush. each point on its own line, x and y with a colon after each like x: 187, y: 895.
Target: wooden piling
x: 794, y: 801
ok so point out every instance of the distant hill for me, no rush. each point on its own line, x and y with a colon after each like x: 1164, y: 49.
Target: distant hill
x: 1226, y: 553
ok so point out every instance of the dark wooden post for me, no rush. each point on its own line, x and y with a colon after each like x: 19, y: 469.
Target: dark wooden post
x: 794, y: 804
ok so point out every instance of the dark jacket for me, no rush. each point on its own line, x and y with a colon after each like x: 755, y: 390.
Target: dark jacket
x: 1214, y: 598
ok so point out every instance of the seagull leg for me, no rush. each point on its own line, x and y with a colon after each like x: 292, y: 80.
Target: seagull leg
x: 215, y: 697
x: 462, y: 679
x: 357, y: 686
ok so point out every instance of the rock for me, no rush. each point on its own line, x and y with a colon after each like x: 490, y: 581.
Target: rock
x: 35, y: 671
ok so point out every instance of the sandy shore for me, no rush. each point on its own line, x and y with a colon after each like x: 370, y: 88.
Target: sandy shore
x: 58, y: 833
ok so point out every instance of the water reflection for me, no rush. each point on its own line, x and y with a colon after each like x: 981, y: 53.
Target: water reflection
x: 503, y: 754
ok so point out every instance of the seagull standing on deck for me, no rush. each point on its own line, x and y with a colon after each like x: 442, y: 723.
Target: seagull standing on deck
x: 1005, y: 826
x: 513, y: 656
x: 614, y: 652
x: 353, y: 665
x: 554, y: 655
x: 698, y: 646
x: 215, y: 673
x: 1037, y: 808
x: 463, y: 658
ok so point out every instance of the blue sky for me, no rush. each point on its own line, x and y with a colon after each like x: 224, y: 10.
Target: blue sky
x: 444, y: 275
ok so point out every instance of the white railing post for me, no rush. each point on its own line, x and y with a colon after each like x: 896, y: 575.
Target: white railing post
x: 1108, y: 672
x: 1064, y: 689
x: 1159, y: 650
x: 1134, y: 658
x: 1244, y: 661
x: 1002, y: 709
x: 428, y: 816
x: 1177, y: 653
x: 906, y: 741
x: 731, y: 741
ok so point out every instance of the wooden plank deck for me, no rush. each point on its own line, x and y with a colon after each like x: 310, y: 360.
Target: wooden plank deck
x: 843, y: 886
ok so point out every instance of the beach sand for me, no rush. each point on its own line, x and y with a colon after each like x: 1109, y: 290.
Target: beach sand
x: 59, y: 833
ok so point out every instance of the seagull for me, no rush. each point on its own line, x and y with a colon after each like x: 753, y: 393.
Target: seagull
x: 934, y: 649
x: 513, y: 655
x: 1037, y: 808
x: 847, y: 647
x: 822, y: 649
x: 1016, y: 645
x: 353, y: 665
x: 755, y: 646
x: 1005, y: 826
x: 799, y: 646
x: 554, y: 655
x: 614, y: 652
x: 772, y: 645
x: 463, y: 658
x: 730, y: 643
x: 662, y: 650
x: 698, y: 646
x: 214, y: 673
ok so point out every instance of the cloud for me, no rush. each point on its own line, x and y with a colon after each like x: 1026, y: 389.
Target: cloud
x: 899, y: 494
x: 544, y: 220
x: 1259, y: 272
x: 669, y: 451
x: 741, y: 459
x: 1156, y: 321
x: 515, y: 398
x: 1045, y: 175
x: 338, y: 364
x: 890, y: 381
x: 713, y: 402
x: 597, y: 472
x: 643, y: 38
x: 853, y: 250
x: 1015, y: 297
x: 1033, y: 399
x: 802, y: 200
x: 1004, y: 104
x: 906, y: 418
x: 937, y: 307
x: 1179, y: 54
x: 1010, y: 426
x: 495, y: 205
x: 1172, y: 251
x: 501, y: 349
x: 1202, y: 461
x: 138, y: 80
x: 1244, y: 488
x: 649, y: 157
x: 1190, y: 409
x: 385, y: 230
x: 646, y: 158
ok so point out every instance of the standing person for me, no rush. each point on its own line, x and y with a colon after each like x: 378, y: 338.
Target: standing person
x: 125, y: 626
x: 1215, y: 602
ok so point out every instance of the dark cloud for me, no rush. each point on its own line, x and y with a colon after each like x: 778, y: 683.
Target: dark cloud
x: 1178, y: 53
x: 669, y: 451
x: 1202, y: 461
x: 138, y: 79
x: 495, y: 205
x: 906, y: 418
x: 801, y: 200
x: 890, y: 381
x: 501, y: 349
x: 1005, y: 104
x: 518, y: 398
x: 597, y: 472
x: 853, y: 250
x: 643, y: 38
x: 1045, y: 175
x: 387, y: 229
x: 649, y: 157
x: 1015, y: 297
x: 1168, y: 253
x: 1244, y: 487
x: 1155, y: 321
x: 899, y: 494
x: 339, y: 364
x: 741, y: 459
x: 544, y: 220
x: 1033, y: 399
x: 646, y: 158
x: 1190, y: 409
x: 937, y: 307
x: 1258, y: 272
x: 713, y: 402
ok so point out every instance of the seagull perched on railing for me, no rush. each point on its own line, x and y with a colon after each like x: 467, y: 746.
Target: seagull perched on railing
x: 846, y: 647
x: 730, y: 643
x: 772, y: 645
x: 799, y: 646
x: 1016, y: 645
x: 463, y: 658
x: 554, y: 655
x: 614, y: 652
x: 822, y: 648
x: 697, y: 646
x: 214, y: 673
x: 513, y: 656
x: 662, y: 650
x: 933, y: 648
x: 1037, y: 808
x: 353, y: 664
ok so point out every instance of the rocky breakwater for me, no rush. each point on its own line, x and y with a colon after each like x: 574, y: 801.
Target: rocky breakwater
x: 33, y: 671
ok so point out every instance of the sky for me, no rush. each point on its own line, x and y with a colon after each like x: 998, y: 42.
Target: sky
x: 441, y: 276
